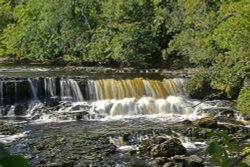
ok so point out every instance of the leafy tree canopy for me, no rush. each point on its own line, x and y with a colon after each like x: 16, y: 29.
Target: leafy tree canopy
x: 212, y: 34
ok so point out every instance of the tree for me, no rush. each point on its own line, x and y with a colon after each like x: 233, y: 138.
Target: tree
x: 50, y: 30
x: 215, y: 37
x: 125, y: 34
x: 6, y: 17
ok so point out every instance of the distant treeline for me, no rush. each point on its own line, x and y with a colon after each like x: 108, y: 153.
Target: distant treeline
x: 213, y: 35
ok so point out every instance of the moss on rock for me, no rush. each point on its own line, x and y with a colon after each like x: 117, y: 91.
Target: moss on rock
x: 169, y: 148
x: 8, y: 129
x: 207, y: 122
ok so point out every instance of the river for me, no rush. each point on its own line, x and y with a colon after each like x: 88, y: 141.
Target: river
x: 98, y: 117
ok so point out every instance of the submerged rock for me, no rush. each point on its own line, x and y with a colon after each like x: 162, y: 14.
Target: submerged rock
x: 207, y: 122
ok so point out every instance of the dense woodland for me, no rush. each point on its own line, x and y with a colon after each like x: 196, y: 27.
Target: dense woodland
x: 212, y: 35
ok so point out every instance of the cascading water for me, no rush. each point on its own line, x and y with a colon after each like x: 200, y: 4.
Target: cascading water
x: 50, y: 86
x: 32, y: 91
x: 105, y: 98
x: 138, y: 87
x: 34, y: 88
x: 70, y: 89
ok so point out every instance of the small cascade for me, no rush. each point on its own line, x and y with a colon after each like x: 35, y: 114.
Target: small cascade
x: 138, y: 87
x: 33, y: 82
x: 179, y: 82
x: 11, y: 112
x: 50, y: 86
x: 70, y: 89
x: 38, y: 89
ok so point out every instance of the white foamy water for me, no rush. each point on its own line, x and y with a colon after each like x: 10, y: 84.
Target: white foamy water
x: 172, y: 105
x: 5, y: 139
x: 172, y: 109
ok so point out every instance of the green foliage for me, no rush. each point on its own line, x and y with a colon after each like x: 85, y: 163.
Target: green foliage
x: 221, y: 150
x: 247, y: 159
x: 6, y: 17
x: 219, y: 45
x: 7, y: 160
x: 125, y: 34
x: 130, y: 33
x: 195, y: 85
x: 244, y: 101
x: 141, y: 33
x: 49, y: 30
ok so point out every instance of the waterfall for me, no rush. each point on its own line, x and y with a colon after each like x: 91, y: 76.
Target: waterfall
x: 179, y: 82
x: 138, y: 87
x: 35, y: 89
x: 38, y: 89
x: 33, y: 82
x: 90, y: 90
x: 70, y: 90
x: 50, y: 86
x: 104, y: 98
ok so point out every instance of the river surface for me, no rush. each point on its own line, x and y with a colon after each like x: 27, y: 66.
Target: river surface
x: 55, y: 107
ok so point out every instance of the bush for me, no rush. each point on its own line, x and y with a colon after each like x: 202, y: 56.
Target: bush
x: 244, y: 101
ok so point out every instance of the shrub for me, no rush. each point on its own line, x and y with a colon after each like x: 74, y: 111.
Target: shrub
x: 244, y: 101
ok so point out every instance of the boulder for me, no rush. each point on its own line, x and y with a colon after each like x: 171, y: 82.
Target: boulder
x: 168, y: 148
x: 148, y: 144
x: 207, y: 122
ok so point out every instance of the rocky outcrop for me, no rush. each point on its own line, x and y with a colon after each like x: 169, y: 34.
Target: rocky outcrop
x: 168, y: 148
x: 161, y: 148
x: 74, y: 150
x: 8, y: 129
